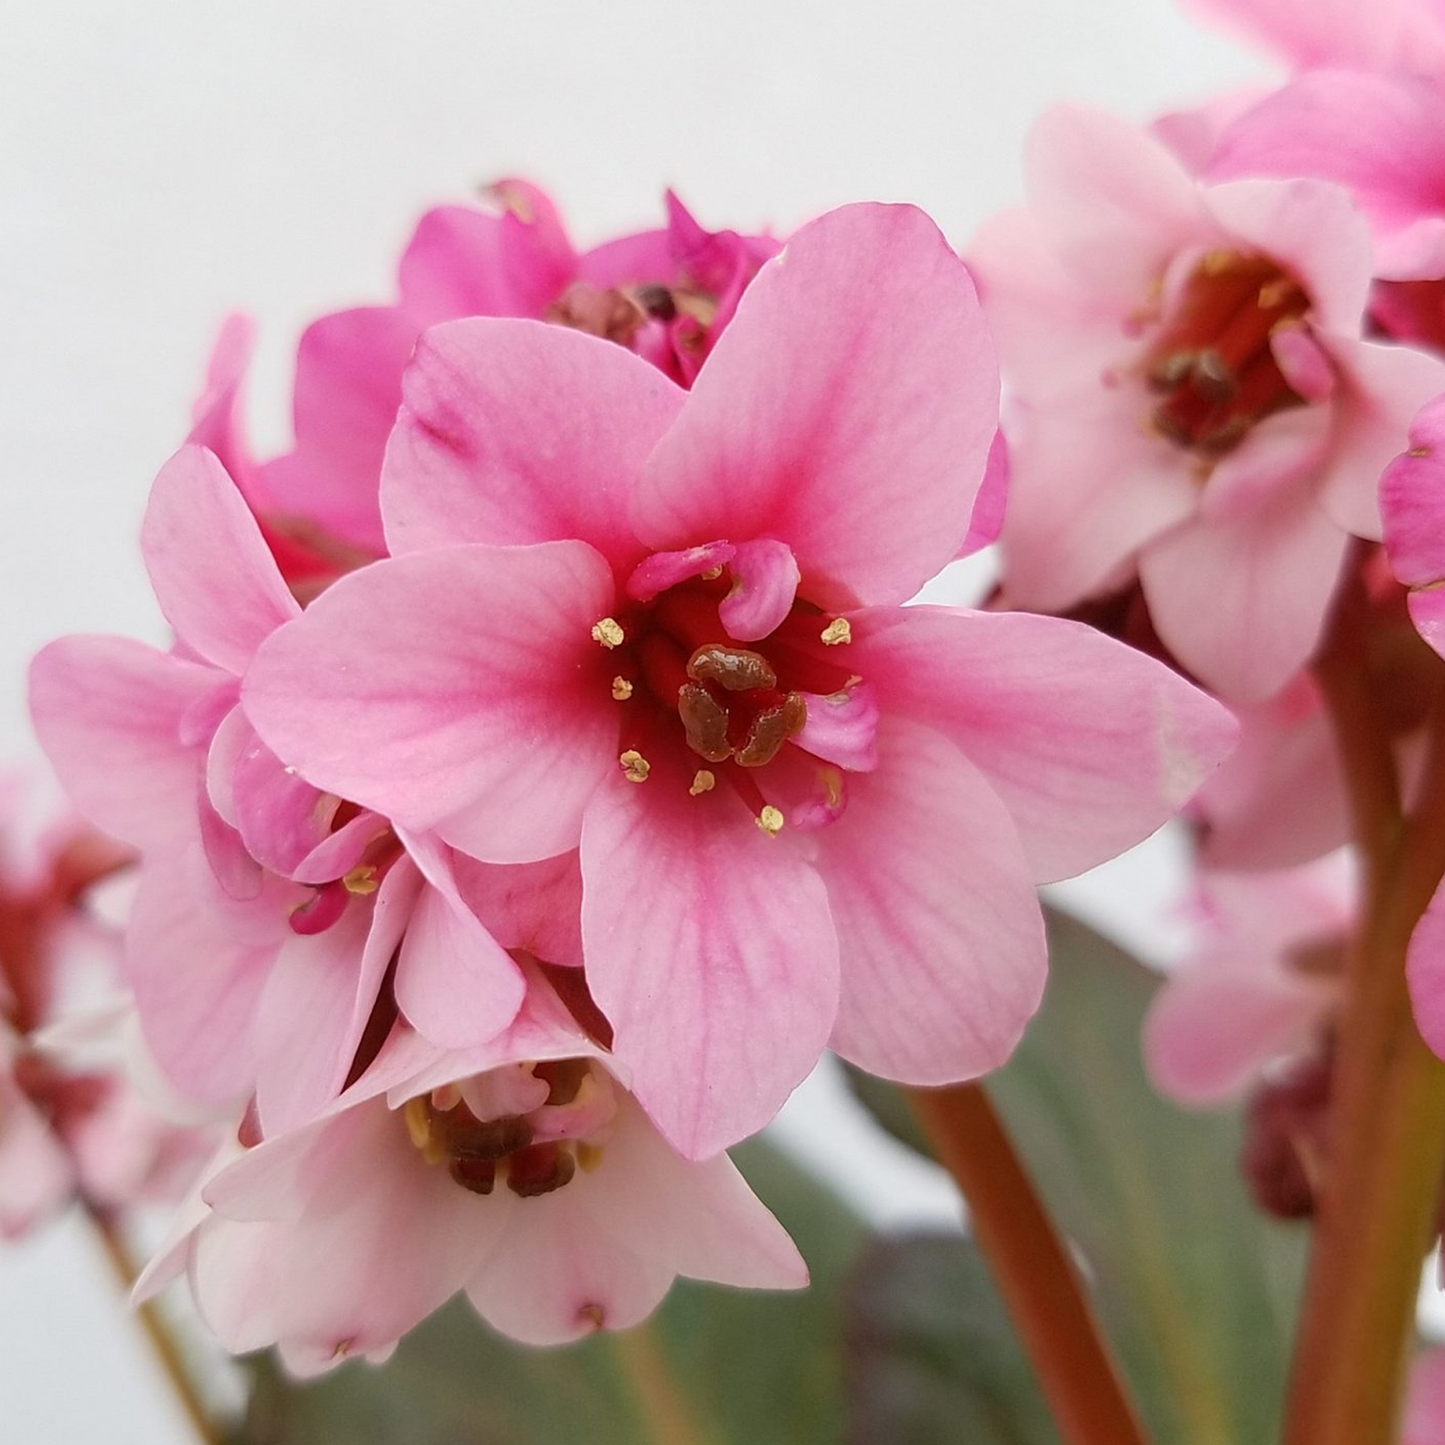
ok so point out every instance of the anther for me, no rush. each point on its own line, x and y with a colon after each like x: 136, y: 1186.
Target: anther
x: 362, y: 880
x: 705, y: 721
x: 621, y: 689
x: 702, y: 782
x: 838, y: 631
x: 635, y: 767
x: 608, y: 632
x: 770, y: 820
x: 712, y: 573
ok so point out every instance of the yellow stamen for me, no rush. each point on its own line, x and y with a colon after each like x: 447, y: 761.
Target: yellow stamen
x: 770, y: 820
x: 702, y: 782
x: 621, y: 689
x: 839, y: 630
x: 635, y: 767
x: 608, y: 632
x: 832, y: 781
x: 712, y: 573
x: 589, y: 1156
x: 362, y: 880
x: 416, y: 1122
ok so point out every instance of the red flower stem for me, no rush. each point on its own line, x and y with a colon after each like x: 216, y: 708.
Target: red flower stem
x: 162, y: 1343
x: 1032, y: 1268
x: 1378, y: 1206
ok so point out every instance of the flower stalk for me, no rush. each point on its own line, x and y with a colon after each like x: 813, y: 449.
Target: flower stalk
x: 1032, y: 1267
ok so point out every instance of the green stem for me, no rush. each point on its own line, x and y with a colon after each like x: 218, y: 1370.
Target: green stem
x: 669, y: 1419
x: 1032, y: 1268
x: 1378, y: 1207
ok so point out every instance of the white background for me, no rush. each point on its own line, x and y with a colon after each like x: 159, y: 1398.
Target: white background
x: 164, y: 163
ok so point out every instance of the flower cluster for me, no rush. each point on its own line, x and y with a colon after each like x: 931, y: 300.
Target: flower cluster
x: 546, y: 769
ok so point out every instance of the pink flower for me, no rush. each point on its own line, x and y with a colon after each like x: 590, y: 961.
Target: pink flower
x: 36, y: 1173
x: 664, y: 626
x: 666, y: 294
x: 521, y: 1172
x: 1260, y: 985
x: 1194, y: 399
x: 1425, y: 1404
x: 1412, y: 497
x: 268, y: 912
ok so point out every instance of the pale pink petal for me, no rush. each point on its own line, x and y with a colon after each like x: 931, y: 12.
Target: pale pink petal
x: 1211, y: 1030
x: 1110, y: 201
x: 465, y: 262
x: 318, y: 997
x: 198, y: 962
x: 1425, y: 970
x: 1386, y: 386
x: 1327, y: 32
x: 454, y: 982
x: 534, y: 907
x: 517, y: 432
x: 214, y: 576
x: 36, y: 1174
x: 1312, y: 229
x: 942, y: 941
x: 1302, y: 362
x: 232, y: 736
x: 216, y: 422
x: 857, y: 434
x: 765, y: 583
x: 348, y: 387
x: 1382, y: 136
x: 1242, y: 604
x: 470, y: 664
x: 281, y: 818
x: 710, y: 947
x: 1090, y: 744
x: 1284, y: 450
x: 108, y: 712
x: 842, y: 727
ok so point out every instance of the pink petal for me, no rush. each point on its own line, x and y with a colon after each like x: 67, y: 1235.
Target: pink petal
x: 466, y: 662
x: 711, y: 949
x: 108, y: 713
x: 1330, y: 32
x: 1410, y: 496
x: 348, y: 386
x: 280, y: 816
x: 660, y: 570
x: 454, y: 982
x: 466, y: 464
x: 216, y: 422
x: 1242, y: 604
x: 842, y: 727
x: 1425, y: 970
x: 1425, y: 1404
x: 855, y: 433
x: 36, y: 1173
x: 534, y: 907
x: 943, y: 953
x: 213, y: 575
x: 466, y: 262
x: 318, y: 998
x: 1090, y: 744
x: 1210, y: 1031
x: 986, y: 522
x: 1110, y: 201
x: 765, y: 583
x: 1304, y: 365
x: 1282, y: 452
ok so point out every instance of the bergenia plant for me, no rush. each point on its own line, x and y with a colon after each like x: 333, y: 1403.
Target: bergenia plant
x: 551, y: 763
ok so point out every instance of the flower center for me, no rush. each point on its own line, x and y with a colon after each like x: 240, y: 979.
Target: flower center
x: 531, y: 1126
x: 1214, y: 366
x: 724, y: 708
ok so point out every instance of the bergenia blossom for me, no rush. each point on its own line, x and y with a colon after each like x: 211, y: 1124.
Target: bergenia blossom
x: 521, y: 1172
x: 268, y: 913
x: 666, y: 294
x: 664, y: 626
x: 1194, y: 402
x: 1259, y: 986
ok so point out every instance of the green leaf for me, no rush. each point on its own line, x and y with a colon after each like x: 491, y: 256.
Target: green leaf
x: 932, y: 1357
x: 1195, y: 1287
x: 753, y: 1367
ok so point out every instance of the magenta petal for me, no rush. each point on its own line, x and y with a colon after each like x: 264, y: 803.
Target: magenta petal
x: 765, y: 582
x: 213, y: 574
x: 108, y: 713
x: 470, y: 664
x: 943, y: 952
x: 856, y: 433
x: 1090, y: 744
x: 465, y: 463
x: 711, y: 949
x: 454, y: 981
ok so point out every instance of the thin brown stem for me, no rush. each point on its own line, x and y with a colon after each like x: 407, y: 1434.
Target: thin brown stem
x: 1377, y: 1210
x: 669, y: 1419
x: 162, y: 1343
x: 1034, y: 1272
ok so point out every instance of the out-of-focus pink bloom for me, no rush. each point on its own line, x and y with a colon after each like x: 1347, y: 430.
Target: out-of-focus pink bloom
x: 805, y: 814
x: 1412, y: 497
x: 1264, y: 977
x: 521, y: 1172
x: 1394, y: 35
x: 1194, y: 401
x: 36, y: 1172
x: 665, y: 294
x: 268, y: 912
x: 1425, y: 1403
